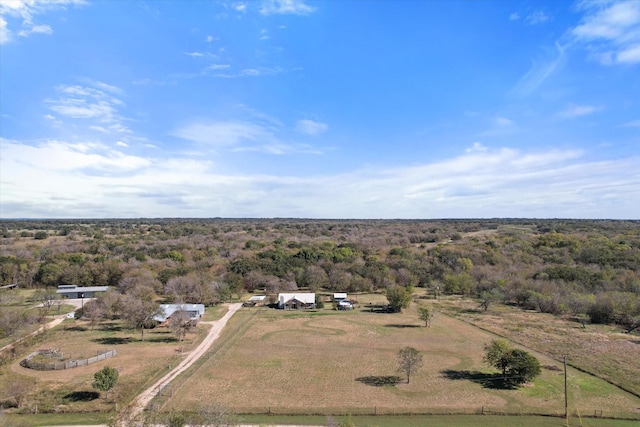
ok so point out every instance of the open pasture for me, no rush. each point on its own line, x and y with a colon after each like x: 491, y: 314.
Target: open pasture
x: 321, y: 362
x: 70, y: 390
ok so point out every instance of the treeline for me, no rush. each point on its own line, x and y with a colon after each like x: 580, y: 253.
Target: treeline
x: 586, y: 269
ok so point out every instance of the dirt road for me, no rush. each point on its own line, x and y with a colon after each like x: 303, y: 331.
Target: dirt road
x: 145, y: 397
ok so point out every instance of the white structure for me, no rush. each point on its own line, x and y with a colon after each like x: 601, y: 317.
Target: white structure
x: 345, y: 305
x: 297, y: 300
x: 339, y: 296
x: 195, y: 311
x: 255, y: 300
x: 75, y: 291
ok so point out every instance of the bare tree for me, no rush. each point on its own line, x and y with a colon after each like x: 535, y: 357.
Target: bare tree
x: 94, y: 312
x: 139, y: 313
x: 409, y: 361
x: 180, y: 323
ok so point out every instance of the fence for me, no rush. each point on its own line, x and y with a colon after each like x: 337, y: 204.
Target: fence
x: 28, y: 363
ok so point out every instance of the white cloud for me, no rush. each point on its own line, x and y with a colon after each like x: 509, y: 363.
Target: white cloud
x: 310, y: 127
x: 503, y: 122
x: 514, y: 16
x: 122, y: 144
x: 92, y: 180
x: 633, y: 123
x: 240, y: 7
x: 286, y: 7
x: 610, y: 30
x: 22, y: 12
x: 579, y: 110
x: 537, y: 17
x: 194, y: 54
x: 630, y: 55
x: 221, y: 134
x: 85, y: 102
x: 476, y: 148
x: 539, y: 72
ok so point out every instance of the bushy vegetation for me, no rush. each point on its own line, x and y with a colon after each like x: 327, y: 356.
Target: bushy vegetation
x: 586, y: 269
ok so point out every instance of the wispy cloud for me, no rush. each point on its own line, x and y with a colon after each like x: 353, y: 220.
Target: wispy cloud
x: 286, y: 7
x: 539, y: 72
x: 96, y: 104
x: 514, y: 16
x: 92, y: 180
x: 311, y: 127
x: 610, y: 30
x: 22, y: 13
x: 579, y: 110
x: 536, y: 18
x: 632, y: 124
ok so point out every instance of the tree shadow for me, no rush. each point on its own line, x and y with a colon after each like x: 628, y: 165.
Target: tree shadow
x: 377, y: 308
x: 492, y: 381
x: 76, y: 328
x: 113, y: 340
x: 82, y: 396
x: 161, y: 338
x: 396, y: 325
x: 380, y: 381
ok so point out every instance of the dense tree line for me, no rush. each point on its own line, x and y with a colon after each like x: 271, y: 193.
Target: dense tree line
x: 586, y: 269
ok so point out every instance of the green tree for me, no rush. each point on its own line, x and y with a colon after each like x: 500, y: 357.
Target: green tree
x: 105, y: 379
x: 426, y: 314
x: 497, y: 355
x: 409, y: 361
x: 518, y: 366
x: 399, y: 297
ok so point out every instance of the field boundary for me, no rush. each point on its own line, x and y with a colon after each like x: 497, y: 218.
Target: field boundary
x: 27, y: 363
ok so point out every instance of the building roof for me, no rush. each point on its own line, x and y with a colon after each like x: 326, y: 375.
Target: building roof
x: 196, y: 310
x: 65, y: 289
x: 257, y: 298
x: 340, y: 295
x: 304, y: 297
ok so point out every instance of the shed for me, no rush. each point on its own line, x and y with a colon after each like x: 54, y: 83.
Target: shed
x: 74, y: 291
x: 255, y: 300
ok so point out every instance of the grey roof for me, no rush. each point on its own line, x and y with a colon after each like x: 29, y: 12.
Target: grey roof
x: 83, y: 289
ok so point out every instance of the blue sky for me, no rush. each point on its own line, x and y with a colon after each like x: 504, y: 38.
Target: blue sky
x: 320, y: 109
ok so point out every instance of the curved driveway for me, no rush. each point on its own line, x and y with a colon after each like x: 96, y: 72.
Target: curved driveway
x: 145, y: 397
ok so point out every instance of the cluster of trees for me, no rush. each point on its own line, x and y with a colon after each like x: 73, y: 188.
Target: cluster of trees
x: 587, y: 269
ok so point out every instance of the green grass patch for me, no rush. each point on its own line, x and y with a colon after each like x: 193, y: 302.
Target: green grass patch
x: 37, y: 420
x: 437, y: 421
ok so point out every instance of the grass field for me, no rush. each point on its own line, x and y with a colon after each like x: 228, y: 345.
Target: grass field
x: 601, y: 349
x: 316, y: 363
x: 70, y: 390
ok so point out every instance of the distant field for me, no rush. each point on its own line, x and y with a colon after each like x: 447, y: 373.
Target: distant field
x: 310, y: 363
x: 602, y: 349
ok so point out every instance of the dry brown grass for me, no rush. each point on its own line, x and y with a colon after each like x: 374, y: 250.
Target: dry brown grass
x: 603, y: 350
x: 137, y: 362
x: 297, y: 362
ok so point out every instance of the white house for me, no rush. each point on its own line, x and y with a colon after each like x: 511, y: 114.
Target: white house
x: 297, y: 300
x: 195, y: 311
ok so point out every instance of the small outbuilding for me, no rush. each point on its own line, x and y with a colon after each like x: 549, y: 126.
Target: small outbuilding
x: 74, y: 291
x: 256, y: 300
x: 339, y: 296
x: 296, y: 301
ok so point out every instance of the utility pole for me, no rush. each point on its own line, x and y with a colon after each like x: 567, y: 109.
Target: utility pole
x: 566, y: 402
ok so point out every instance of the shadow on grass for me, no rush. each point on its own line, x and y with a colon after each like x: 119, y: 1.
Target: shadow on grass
x: 162, y: 338
x: 401, y: 326
x: 82, y: 396
x: 377, y: 308
x: 493, y: 381
x: 76, y: 328
x: 113, y: 340
x: 380, y: 381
